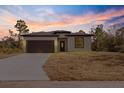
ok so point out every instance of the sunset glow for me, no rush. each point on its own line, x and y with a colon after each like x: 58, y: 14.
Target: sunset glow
x: 46, y: 18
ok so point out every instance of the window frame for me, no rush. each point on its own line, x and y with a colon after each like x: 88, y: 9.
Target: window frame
x: 82, y: 42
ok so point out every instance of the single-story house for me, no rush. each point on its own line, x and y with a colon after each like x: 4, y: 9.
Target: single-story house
x: 56, y: 41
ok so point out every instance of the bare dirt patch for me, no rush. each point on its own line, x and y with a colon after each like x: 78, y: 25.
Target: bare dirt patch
x: 85, y: 66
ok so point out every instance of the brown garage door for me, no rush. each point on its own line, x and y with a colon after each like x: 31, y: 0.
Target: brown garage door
x: 40, y: 46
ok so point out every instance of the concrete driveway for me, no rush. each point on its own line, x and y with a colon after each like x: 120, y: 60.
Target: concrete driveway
x: 27, y: 66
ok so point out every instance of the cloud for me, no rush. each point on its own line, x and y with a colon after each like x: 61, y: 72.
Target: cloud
x: 117, y: 22
x: 44, y: 18
x: 110, y: 14
x: 7, y: 17
x: 67, y: 20
x: 3, y: 31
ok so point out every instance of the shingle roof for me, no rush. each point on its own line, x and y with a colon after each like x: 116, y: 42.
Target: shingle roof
x: 79, y: 34
x: 40, y: 33
x: 56, y: 33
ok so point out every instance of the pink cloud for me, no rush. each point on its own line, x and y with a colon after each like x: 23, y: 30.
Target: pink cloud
x: 117, y: 22
x: 8, y: 17
x: 110, y: 14
x: 3, y: 31
x: 67, y: 20
x: 35, y: 24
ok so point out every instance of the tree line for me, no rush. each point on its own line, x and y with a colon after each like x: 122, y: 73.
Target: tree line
x: 13, y: 42
x: 111, y: 40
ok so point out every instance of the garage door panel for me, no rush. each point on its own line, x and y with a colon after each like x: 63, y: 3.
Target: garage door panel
x: 39, y: 46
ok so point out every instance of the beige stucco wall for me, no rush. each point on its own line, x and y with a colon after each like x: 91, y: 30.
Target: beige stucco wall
x: 71, y: 44
x: 24, y: 45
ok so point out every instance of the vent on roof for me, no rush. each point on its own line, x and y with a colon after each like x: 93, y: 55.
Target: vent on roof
x: 61, y: 32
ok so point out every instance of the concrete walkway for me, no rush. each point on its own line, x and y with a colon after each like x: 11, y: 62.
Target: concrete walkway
x: 27, y: 66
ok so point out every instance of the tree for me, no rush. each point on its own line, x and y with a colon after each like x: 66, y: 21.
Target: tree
x: 10, y: 41
x: 99, y: 37
x: 120, y: 39
x: 22, y: 28
x: 13, y: 35
x: 81, y: 31
x: 108, y: 40
x: 120, y: 36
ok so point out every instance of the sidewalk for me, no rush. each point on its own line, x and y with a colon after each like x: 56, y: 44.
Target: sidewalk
x: 62, y: 84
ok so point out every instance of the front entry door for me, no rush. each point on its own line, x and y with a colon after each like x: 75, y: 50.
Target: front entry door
x: 62, y: 46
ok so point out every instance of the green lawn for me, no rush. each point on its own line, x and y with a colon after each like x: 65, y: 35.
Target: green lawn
x: 85, y: 66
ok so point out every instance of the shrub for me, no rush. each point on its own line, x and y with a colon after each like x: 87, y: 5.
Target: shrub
x: 10, y: 50
x: 121, y: 49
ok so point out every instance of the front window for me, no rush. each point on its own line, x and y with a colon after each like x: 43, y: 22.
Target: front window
x: 79, y: 42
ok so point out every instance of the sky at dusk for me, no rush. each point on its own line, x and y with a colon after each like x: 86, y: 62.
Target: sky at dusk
x: 60, y: 17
